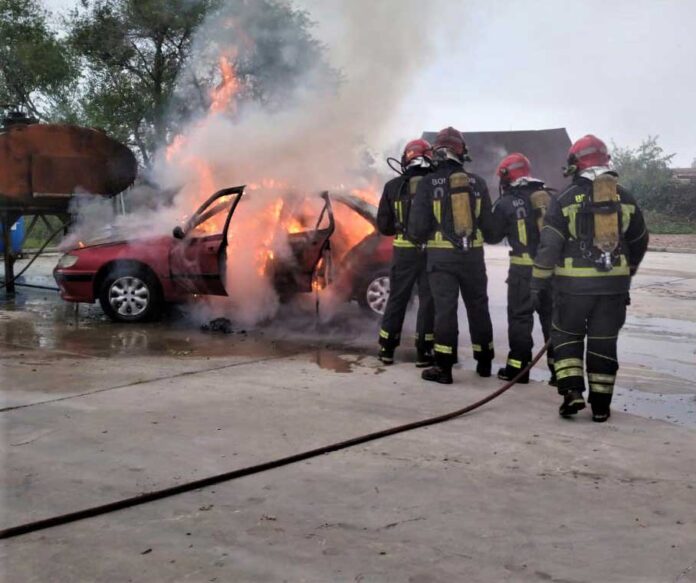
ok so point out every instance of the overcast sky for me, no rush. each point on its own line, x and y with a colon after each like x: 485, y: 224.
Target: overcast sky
x: 622, y: 69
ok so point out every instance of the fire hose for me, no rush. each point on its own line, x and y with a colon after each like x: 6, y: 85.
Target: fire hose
x: 36, y: 255
x: 147, y: 497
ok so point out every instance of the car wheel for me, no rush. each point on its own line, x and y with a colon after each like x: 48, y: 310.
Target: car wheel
x: 374, y: 293
x: 130, y: 294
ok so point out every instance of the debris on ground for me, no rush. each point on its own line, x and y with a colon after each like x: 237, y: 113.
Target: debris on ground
x: 222, y: 325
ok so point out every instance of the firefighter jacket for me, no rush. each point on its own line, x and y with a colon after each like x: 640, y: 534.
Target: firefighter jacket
x: 568, y: 248
x: 451, y: 213
x: 517, y: 218
x: 395, y: 206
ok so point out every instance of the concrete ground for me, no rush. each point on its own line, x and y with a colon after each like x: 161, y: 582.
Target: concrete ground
x: 92, y: 412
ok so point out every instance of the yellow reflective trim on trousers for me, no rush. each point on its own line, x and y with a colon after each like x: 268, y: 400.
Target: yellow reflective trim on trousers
x: 525, y: 259
x: 627, y: 211
x: 542, y: 272
x: 443, y: 349
x: 568, y: 372
x: 568, y: 362
x: 601, y: 378
x: 569, y: 271
x: 399, y: 241
x: 522, y: 231
x: 514, y: 363
x: 384, y: 334
x: 604, y: 389
x: 476, y: 347
x: 429, y: 337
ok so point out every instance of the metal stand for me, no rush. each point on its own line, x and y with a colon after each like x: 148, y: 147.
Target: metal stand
x: 6, y: 221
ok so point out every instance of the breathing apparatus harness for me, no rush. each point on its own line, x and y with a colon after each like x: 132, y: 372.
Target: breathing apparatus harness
x: 464, y: 219
x: 407, y: 182
x: 598, y: 223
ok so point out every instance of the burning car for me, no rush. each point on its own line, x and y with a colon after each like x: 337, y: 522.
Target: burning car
x: 133, y: 278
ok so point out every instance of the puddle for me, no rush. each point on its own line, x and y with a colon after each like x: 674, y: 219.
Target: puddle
x: 677, y: 409
x: 331, y: 359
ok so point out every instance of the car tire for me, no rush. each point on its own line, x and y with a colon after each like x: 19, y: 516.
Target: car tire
x: 131, y: 293
x: 373, y: 292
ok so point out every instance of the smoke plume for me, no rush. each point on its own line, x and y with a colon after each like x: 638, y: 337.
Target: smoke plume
x: 290, y: 114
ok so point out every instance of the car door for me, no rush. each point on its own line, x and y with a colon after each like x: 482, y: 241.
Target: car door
x: 311, y: 252
x: 198, y: 257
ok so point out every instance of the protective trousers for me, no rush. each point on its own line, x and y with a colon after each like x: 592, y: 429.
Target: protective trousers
x: 599, y: 317
x: 520, y: 312
x: 408, y: 269
x: 447, y: 280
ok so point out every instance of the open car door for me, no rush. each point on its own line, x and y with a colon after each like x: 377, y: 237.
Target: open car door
x: 311, y: 255
x: 198, y: 257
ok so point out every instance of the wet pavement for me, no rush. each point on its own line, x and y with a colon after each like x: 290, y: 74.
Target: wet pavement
x: 92, y: 411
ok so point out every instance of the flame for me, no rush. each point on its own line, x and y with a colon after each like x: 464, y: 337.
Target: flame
x: 267, y: 215
x: 222, y: 98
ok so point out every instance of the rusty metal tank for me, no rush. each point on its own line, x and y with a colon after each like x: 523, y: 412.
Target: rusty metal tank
x: 42, y: 166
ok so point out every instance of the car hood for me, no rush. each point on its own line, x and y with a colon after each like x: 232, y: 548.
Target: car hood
x: 110, y: 236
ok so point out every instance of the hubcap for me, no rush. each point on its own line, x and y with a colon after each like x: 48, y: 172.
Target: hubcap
x: 378, y: 294
x: 129, y: 296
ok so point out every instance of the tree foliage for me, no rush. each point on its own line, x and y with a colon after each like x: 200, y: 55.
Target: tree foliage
x: 132, y: 52
x: 37, y: 70
x: 645, y: 171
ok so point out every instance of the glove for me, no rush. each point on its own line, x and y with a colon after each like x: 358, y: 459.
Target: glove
x: 632, y: 269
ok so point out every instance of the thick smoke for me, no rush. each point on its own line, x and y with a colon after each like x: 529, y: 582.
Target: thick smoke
x: 304, y: 113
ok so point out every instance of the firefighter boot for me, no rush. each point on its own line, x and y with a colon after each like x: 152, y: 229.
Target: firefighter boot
x: 553, y: 381
x: 600, y: 407
x: 483, y: 368
x: 424, y: 358
x: 386, y: 355
x: 572, y: 403
x: 512, y: 369
x: 438, y: 374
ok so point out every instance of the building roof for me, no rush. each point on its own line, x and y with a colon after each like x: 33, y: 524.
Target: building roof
x: 547, y: 150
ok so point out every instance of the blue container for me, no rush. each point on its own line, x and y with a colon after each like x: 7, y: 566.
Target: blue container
x: 16, y: 236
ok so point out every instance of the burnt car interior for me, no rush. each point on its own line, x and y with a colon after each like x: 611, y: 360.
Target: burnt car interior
x: 198, y: 260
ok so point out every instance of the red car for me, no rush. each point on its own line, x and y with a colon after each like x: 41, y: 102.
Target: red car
x: 134, y: 278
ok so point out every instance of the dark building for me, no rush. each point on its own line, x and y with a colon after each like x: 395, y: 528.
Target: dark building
x: 546, y: 149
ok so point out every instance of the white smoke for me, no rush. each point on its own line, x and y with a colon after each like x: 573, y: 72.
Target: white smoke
x: 311, y: 134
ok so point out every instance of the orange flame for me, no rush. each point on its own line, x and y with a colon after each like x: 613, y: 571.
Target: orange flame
x: 222, y: 97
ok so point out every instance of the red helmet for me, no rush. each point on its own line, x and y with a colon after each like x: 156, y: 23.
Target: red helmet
x: 587, y: 152
x: 416, y: 149
x: 452, y: 139
x: 513, y: 167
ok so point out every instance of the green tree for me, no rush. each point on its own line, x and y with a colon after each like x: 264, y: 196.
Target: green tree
x: 646, y: 172
x: 37, y: 70
x: 132, y: 52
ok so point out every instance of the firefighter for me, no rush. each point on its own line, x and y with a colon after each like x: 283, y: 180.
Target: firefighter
x: 451, y: 214
x: 593, y: 240
x: 518, y: 214
x: 408, y: 263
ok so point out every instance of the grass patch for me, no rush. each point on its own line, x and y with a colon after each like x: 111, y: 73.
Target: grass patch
x: 662, y: 224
